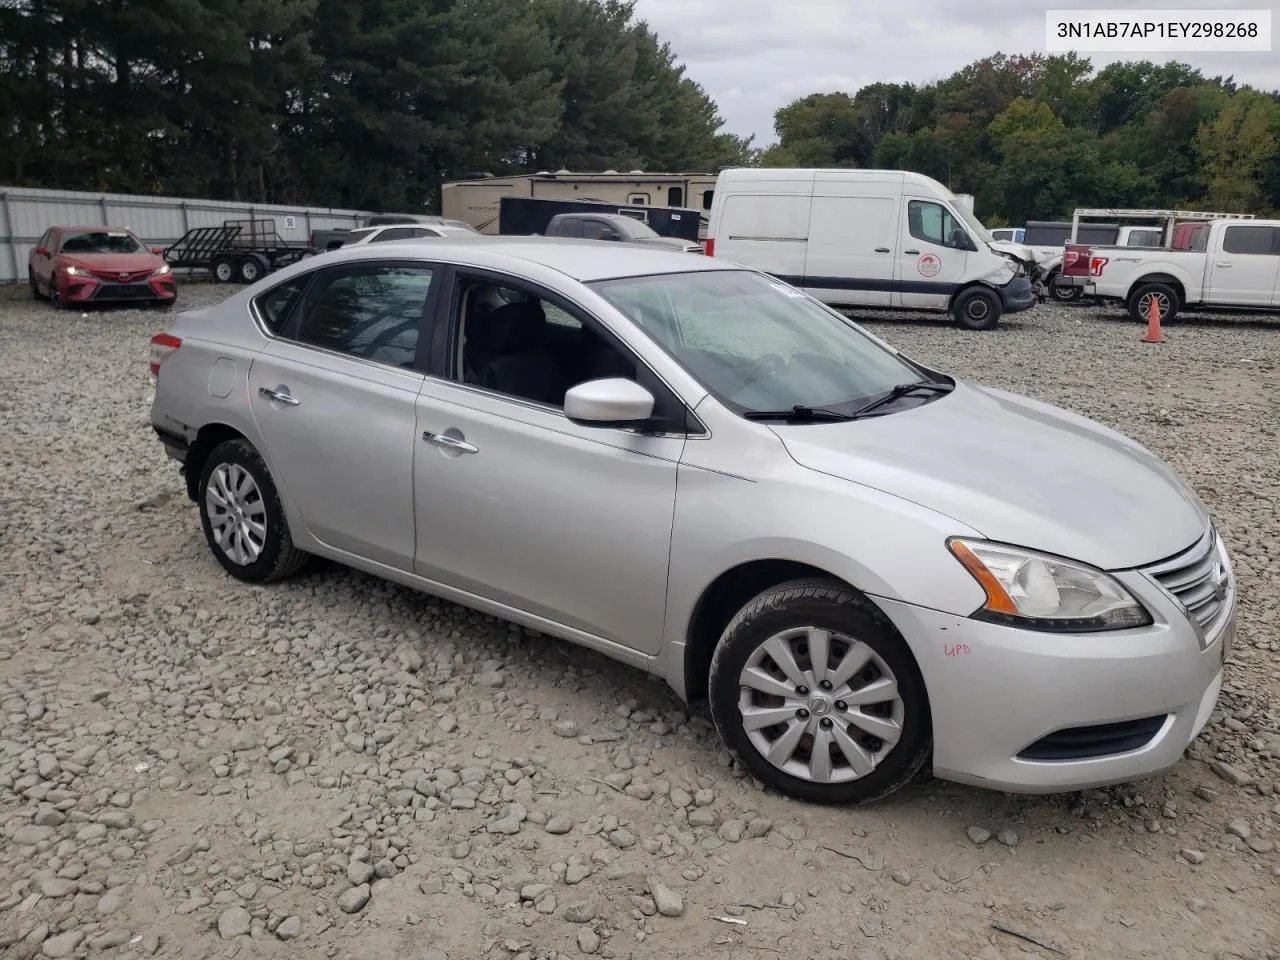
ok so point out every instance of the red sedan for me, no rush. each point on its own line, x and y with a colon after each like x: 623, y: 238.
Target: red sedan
x: 82, y: 265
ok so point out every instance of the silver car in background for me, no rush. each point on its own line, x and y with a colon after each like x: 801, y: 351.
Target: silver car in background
x: 864, y: 564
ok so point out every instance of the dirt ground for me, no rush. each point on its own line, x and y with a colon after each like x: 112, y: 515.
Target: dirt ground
x: 338, y: 767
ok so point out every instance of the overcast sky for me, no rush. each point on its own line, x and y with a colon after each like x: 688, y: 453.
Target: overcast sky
x: 753, y: 56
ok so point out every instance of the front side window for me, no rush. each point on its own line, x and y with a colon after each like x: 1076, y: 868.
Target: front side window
x: 757, y: 344
x: 933, y: 223
x: 599, y: 230
x: 370, y: 311
x: 100, y: 241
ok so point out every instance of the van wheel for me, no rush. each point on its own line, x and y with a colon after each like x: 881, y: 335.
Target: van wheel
x: 817, y: 697
x: 1163, y: 294
x: 977, y: 309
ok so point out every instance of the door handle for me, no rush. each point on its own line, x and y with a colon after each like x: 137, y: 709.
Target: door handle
x: 910, y: 251
x: 279, y: 396
x: 882, y: 249
x: 453, y: 443
x: 1224, y: 266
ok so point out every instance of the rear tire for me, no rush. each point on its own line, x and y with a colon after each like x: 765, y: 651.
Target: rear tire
x: 859, y: 766
x: 242, y: 516
x: 977, y: 308
x: 1140, y: 302
x: 253, y: 268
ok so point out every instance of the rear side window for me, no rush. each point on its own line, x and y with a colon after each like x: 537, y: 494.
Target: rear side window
x: 1250, y: 239
x: 371, y: 311
x: 275, y: 306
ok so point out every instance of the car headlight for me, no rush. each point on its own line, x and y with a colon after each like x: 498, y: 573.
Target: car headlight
x: 161, y: 270
x: 71, y: 270
x: 1041, y: 592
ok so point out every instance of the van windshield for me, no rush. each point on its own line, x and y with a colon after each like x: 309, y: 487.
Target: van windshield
x: 758, y: 344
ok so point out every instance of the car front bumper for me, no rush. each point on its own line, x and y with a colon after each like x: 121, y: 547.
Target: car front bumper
x: 1018, y: 294
x: 1029, y: 712
x: 86, y: 288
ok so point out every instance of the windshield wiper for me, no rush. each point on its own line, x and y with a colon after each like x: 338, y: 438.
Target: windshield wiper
x: 901, y: 390
x: 798, y: 412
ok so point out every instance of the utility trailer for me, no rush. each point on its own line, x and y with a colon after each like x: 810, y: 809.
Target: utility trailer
x: 239, y: 251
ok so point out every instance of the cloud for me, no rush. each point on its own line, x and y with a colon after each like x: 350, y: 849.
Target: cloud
x: 754, y: 56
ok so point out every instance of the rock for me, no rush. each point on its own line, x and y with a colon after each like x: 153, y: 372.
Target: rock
x: 289, y: 928
x: 576, y: 873
x: 55, y: 887
x: 731, y: 831
x: 902, y: 877
x: 62, y: 945
x: 583, y: 912
x: 234, y: 922
x: 384, y: 869
x: 1233, y: 776
x: 490, y: 678
x: 1008, y: 837
x: 1191, y: 856
x: 31, y: 835
x: 1239, y: 827
x: 115, y: 819
x: 565, y: 728
x: 669, y: 903
x: 354, y: 899
x: 359, y: 873
x: 978, y: 835
x: 1260, y: 845
x: 588, y: 940
x: 559, y: 825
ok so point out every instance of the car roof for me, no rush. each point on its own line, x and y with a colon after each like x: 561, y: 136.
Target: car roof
x: 581, y: 260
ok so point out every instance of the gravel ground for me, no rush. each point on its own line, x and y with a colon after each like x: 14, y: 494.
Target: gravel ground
x: 192, y: 767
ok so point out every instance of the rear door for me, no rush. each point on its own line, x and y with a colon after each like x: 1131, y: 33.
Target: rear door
x: 766, y: 232
x: 852, y: 249
x: 932, y: 261
x: 1243, y: 267
x: 333, y: 398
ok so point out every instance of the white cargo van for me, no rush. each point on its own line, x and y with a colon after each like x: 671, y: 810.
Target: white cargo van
x: 867, y: 238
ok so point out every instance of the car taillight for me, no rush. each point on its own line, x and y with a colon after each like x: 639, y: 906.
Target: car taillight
x: 162, y: 344
x: 1095, y: 266
x: 711, y: 247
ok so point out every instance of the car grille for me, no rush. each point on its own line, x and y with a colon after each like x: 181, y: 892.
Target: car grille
x: 130, y: 276
x: 1197, y: 579
x: 124, y: 291
x: 1101, y: 740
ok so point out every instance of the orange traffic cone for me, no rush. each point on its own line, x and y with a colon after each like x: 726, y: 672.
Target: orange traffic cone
x: 1154, y: 334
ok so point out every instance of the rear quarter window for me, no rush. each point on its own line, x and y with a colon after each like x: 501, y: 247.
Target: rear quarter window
x: 275, y: 306
x: 1250, y: 239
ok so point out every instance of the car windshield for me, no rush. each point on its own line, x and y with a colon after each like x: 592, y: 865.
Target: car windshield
x: 633, y: 229
x: 757, y: 344
x: 100, y: 241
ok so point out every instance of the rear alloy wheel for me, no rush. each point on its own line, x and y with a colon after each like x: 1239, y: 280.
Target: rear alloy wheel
x: 977, y: 308
x: 817, y: 697
x: 242, y: 516
x: 1164, y: 295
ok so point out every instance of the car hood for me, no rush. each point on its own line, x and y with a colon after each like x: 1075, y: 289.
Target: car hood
x: 113, y: 262
x: 1018, y: 471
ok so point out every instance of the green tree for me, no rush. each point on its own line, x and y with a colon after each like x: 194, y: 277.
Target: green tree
x: 1234, y: 149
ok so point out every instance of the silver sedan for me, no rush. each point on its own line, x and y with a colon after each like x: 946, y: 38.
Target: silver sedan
x: 867, y: 567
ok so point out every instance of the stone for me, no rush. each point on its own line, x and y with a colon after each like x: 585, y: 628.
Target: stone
x: 234, y: 922
x: 354, y: 899
x: 669, y: 903
x: 978, y: 835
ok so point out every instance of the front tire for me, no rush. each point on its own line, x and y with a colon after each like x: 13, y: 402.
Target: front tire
x: 977, y: 308
x: 242, y: 516
x: 818, y: 697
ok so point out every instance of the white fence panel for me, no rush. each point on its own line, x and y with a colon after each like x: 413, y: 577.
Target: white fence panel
x: 25, y: 214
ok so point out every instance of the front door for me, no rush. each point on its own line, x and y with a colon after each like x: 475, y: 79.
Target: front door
x: 518, y: 505
x: 1244, y: 271
x: 853, y: 243
x: 932, y: 258
x: 333, y: 399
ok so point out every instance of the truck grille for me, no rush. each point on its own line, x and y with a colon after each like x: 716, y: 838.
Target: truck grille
x: 1199, y: 580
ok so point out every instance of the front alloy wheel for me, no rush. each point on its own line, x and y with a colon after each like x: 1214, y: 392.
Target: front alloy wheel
x: 818, y: 697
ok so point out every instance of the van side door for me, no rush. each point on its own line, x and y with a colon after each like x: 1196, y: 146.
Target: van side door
x: 851, y: 252
x: 931, y: 265
x: 1242, y: 265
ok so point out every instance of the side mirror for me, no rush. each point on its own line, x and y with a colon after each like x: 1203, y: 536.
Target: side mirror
x: 41, y: 251
x: 611, y: 402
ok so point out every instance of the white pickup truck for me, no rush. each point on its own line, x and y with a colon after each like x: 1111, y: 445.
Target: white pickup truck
x: 1238, y: 269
